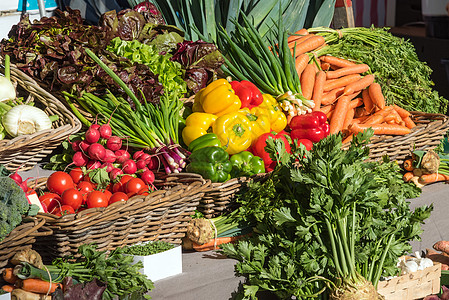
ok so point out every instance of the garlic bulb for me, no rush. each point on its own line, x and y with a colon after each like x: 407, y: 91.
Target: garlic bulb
x: 7, y: 89
x: 25, y: 119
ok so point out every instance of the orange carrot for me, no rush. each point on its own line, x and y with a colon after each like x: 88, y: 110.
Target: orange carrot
x: 336, y: 61
x: 327, y: 108
x: 356, y: 103
x: 358, y: 85
x: 402, y: 112
x: 38, y: 286
x: 408, y: 164
x: 408, y: 176
x: 348, y: 138
x: 298, y: 41
x: 442, y: 246
x: 8, y: 288
x: 394, y: 117
x: 349, y: 117
x: 342, y: 81
x: 308, y: 45
x: 317, y: 93
x: 374, y: 119
x: 375, y: 93
x: 214, y: 243
x: 359, y: 119
x: 389, y: 129
x: 356, y: 69
x: 298, y: 34
x: 9, y: 276
x: 325, y: 66
x: 369, y: 107
x: 360, y: 112
x: 331, y: 96
x: 301, y: 63
x: 431, y: 178
x: 339, y: 115
x: 307, y: 80
x: 409, y: 122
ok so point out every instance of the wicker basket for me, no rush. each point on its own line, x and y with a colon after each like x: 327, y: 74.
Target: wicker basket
x: 26, y: 151
x: 430, y: 130
x: 219, y: 197
x: 21, y: 238
x: 162, y: 215
x: 416, y: 285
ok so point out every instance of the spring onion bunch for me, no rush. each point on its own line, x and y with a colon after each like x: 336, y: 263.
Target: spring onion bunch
x: 149, y: 126
x: 271, y: 65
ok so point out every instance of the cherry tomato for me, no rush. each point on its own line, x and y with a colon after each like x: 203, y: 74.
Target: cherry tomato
x: 119, y: 196
x: 135, y: 185
x: 97, y: 199
x: 59, y: 181
x: 87, y: 178
x: 117, y: 187
x: 72, y: 197
x: 145, y: 191
x: 76, y: 174
x: 64, y: 210
x: 108, y: 194
x: 125, y: 178
x: 85, y: 187
x: 51, y: 200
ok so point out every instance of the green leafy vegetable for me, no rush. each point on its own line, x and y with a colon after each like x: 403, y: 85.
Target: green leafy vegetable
x: 148, y: 248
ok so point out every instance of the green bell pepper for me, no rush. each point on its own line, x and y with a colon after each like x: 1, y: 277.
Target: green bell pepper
x: 246, y: 164
x: 207, y: 140
x: 211, y: 163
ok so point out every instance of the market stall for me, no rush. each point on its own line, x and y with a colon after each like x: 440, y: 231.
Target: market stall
x: 168, y: 152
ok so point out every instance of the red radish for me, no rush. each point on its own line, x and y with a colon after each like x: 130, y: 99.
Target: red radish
x: 147, y: 177
x: 145, y: 156
x: 80, y: 159
x: 122, y: 156
x: 84, y: 145
x: 114, y: 143
x: 129, y: 167
x: 140, y: 164
x: 143, y: 169
x: 137, y: 154
x: 105, y: 131
x: 75, y: 144
x: 108, y: 166
x: 153, y: 163
x: 96, y: 151
x: 109, y: 156
x: 93, y: 164
x: 16, y: 177
x: 92, y: 135
x: 114, y: 173
x: 95, y: 125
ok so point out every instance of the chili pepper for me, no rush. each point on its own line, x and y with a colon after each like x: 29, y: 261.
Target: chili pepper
x: 249, y: 95
x: 207, y: 140
x: 258, y: 148
x: 246, y: 164
x: 211, y: 163
x: 234, y: 131
x: 312, y: 126
x: 197, y: 124
x: 217, y: 98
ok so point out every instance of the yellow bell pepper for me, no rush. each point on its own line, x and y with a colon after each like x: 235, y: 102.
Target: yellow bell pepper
x: 217, y: 98
x: 197, y: 124
x: 277, y: 118
x: 258, y: 117
x: 234, y: 130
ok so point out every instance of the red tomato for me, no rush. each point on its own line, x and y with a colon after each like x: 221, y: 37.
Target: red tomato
x: 59, y: 181
x: 76, y: 174
x: 72, y: 197
x: 87, y: 178
x: 144, y: 191
x: 64, y: 210
x: 85, y: 187
x: 135, y: 185
x: 97, y: 199
x: 307, y: 143
x: 125, y: 178
x: 117, y: 187
x: 51, y: 200
x: 119, y: 196
x: 108, y: 194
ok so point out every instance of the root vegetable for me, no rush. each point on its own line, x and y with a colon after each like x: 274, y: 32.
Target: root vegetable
x: 129, y: 167
x: 122, y: 156
x: 442, y: 246
x: 79, y: 159
x: 96, y: 151
x: 92, y: 135
x: 430, y: 162
x: 8, y: 275
x: 200, y: 231
x: 27, y: 255
x: 114, y: 143
x: 38, y: 286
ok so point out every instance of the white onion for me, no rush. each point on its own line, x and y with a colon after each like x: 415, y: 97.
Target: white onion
x: 25, y: 119
x: 7, y: 90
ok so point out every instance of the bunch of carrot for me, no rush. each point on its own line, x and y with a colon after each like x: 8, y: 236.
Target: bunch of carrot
x: 344, y: 90
x: 30, y: 288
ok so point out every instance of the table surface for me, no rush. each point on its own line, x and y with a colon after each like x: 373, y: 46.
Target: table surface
x: 210, y: 276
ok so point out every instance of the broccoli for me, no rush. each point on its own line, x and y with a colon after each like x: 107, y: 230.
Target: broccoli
x: 13, y: 205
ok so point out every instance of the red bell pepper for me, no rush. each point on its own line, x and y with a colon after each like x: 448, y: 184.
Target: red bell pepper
x: 258, y: 148
x: 312, y: 126
x: 248, y: 93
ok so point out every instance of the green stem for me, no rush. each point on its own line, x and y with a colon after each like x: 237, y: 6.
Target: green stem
x: 8, y: 67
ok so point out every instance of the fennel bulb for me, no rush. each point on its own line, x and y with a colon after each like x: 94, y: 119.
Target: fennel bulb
x: 25, y: 119
x: 7, y: 89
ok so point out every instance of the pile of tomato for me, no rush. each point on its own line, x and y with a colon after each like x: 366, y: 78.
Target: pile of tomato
x: 69, y: 193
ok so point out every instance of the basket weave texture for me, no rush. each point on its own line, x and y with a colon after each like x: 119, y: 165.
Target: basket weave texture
x: 21, y: 238
x: 162, y: 215
x: 27, y: 150
x: 429, y: 131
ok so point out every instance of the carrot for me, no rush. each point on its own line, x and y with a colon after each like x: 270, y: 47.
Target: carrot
x: 214, y: 243
x: 348, y: 138
x: 38, y: 286
x: 9, y: 276
x: 325, y: 66
x: 309, y: 44
x: 431, y: 178
x: 331, y: 96
x: 356, y: 103
x: 442, y: 246
x: 339, y: 115
x: 389, y: 129
x: 394, y: 117
x: 356, y: 69
x: 369, y: 107
x: 375, y: 93
x: 298, y: 41
x: 407, y: 176
x: 349, y: 117
x: 297, y: 35
x: 373, y: 119
x: 402, y: 112
x: 307, y: 80
x: 336, y: 61
x: 8, y: 288
x: 359, y: 85
x: 408, y: 164
x: 359, y: 119
x: 327, y: 108
x: 342, y: 81
x: 317, y: 93
x: 301, y: 63
x: 409, y: 122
